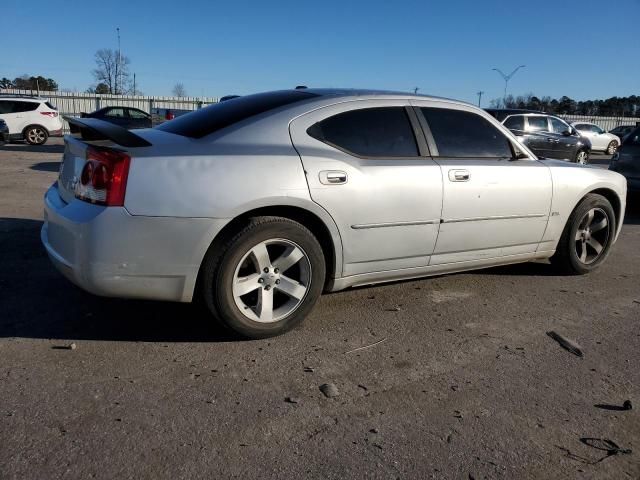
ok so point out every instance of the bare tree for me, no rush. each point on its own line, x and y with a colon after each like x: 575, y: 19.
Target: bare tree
x: 112, y: 70
x: 179, y: 90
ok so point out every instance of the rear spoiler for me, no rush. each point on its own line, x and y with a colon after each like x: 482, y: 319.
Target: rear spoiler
x: 94, y: 129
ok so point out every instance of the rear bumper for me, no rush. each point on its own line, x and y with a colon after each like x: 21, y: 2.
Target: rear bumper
x: 56, y: 133
x: 109, y: 252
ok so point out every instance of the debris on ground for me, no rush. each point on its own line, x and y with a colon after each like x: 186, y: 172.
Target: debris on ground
x: 605, y: 406
x: 309, y: 369
x: 329, y: 390
x: 292, y: 400
x: 73, y: 346
x: 393, y: 309
x: 567, y: 344
x: 366, y: 346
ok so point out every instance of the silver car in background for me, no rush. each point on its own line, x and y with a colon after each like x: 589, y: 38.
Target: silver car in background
x: 260, y: 203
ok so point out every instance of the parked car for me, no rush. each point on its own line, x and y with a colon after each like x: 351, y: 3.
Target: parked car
x: 627, y: 160
x: 126, y: 117
x: 4, y: 132
x: 32, y: 119
x: 622, y: 130
x: 266, y: 200
x: 161, y: 115
x: 600, y: 140
x: 546, y: 135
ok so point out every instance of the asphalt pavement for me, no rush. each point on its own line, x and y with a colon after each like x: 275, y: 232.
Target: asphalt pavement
x: 452, y: 377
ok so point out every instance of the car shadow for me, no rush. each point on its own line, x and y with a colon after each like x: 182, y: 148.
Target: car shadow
x: 25, y: 147
x: 38, y: 302
x: 46, y: 166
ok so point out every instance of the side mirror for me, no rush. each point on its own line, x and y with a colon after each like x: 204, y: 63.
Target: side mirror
x: 567, y: 133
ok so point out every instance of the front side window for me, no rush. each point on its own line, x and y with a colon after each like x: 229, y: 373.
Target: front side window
x: 558, y: 126
x: 464, y: 134
x: 515, y: 122
x: 538, y: 124
x: 596, y: 129
x: 369, y: 132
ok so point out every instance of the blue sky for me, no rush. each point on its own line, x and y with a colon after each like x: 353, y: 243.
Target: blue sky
x: 581, y: 48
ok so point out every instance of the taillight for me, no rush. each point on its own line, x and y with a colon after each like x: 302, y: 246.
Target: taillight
x: 169, y: 115
x: 50, y: 114
x: 104, y: 177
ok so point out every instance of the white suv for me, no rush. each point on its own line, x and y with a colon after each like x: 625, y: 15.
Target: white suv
x: 30, y: 118
x: 600, y: 140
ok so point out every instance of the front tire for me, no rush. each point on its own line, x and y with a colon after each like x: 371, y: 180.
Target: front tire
x: 266, y: 279
x: 587, y: 237
x: 582, y: 157
x: 36, y: 135
x: 612, y: 147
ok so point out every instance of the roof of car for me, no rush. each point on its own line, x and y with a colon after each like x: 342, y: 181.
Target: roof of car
x: 21, y: 97
x: 362, y: 92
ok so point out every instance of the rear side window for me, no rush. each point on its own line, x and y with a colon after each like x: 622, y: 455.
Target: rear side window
x: 137, y: 113
x: 538, y: 124
x: 24, y: 106
x: 215, y: 117
x: 464, y: 134
x: 6, y: 106
x: 369, y: 132
x: 515, y: 123
x: 115, y: 113
x: 52, y: 107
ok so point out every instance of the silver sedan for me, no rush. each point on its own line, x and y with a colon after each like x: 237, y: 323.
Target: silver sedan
x: 259, y: 204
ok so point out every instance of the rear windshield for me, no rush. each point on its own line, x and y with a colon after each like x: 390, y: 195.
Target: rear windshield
x: 220, y: 115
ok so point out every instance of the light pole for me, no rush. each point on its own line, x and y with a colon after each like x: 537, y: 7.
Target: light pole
x: 480, y: 93
x: 507, y: 78
x: 118, y: 61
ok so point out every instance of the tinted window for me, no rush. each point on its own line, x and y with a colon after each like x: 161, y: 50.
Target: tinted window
x: 24, y: 106
x: 538, y: 124
x: 137, y: 113
x: 464, y: 134
x: 632, y: 138
x: 515, y: 123
x: 558, y: 126
x: 369, y: 132
x: 582, y: 127
x: 215, y: 117
x: 115, y: 112
x: 6, y: 106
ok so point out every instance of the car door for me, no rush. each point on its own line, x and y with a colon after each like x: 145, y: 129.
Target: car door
x: 365, y: 167
x: 588, y: 131
x: 566, y: 145
x: 494, y: 204
x: 17, y: 114
x: 599, y: 140
x: 9, y: 116
x: 541, y: 140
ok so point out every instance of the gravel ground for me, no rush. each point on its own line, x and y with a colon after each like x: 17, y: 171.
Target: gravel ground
x: 462, y: 383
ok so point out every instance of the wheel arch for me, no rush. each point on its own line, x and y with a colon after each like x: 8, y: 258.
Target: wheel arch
x: 31, y: 125
x: 319, y: 223
x: 615, y: 202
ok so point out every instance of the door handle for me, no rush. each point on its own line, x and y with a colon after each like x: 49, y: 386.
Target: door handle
x: 459, y: 175
x: 333, y: 177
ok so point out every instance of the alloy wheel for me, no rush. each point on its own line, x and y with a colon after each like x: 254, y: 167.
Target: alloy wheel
x: 582, y: 158
x: 592, y: 235
x: 611, y: 149
x: 36, y: 136
x: 271, y: 280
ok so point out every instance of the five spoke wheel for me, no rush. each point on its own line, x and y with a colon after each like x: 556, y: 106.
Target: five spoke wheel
x: 592, y: 235
x: 271, y: 280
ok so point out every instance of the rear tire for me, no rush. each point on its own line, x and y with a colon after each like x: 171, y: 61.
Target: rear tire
x: 587, y: 236
x: 612, y: 147
x: 266, y: 279
x: 36, y: 135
